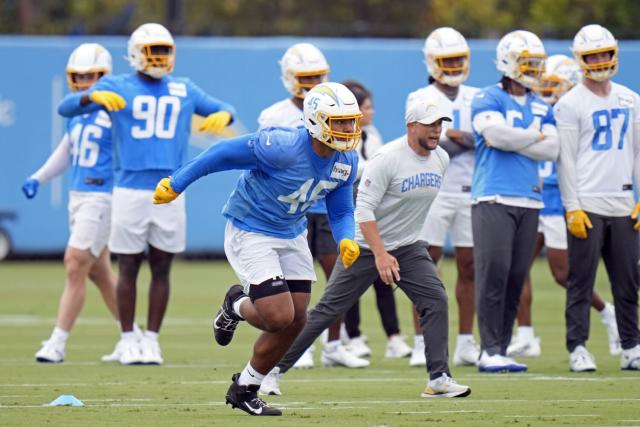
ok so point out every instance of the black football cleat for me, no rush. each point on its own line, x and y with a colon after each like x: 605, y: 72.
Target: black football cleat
x: 245, y: 397
x: 225, y: 322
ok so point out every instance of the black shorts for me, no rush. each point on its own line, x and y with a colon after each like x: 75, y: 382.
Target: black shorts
x: 319, y: 235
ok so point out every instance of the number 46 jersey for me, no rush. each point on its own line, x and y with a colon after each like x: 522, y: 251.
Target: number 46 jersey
x: 273, y: 197
x: 606, y: 154
x: 152, y: 131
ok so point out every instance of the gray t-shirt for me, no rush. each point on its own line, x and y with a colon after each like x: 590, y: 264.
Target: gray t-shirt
x: 396, y: 190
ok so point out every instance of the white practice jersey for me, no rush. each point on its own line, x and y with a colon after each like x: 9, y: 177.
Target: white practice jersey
x: 605, y: 156
x: 396, y: 190
x: 460, y: 172
x: 282, y: 114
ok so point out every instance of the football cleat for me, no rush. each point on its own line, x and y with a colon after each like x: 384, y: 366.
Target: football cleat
x: 580, y: 360
x: 342, y: 357
x: 498, y: 363
x: 115, y: 354
x: 131, y: 353
x: 306, y: 360
x: 271, y: 384
x: 418, y: 357
x: 397, y: 348
x: 52, y: 351
x: 466, y: 353
x: 522, y: 347
x: 150, y: 352
x: 358, y: 346
x: 245, y: 397
x: 445, y: 386
x: 630, y: 359
x: 226, y: 321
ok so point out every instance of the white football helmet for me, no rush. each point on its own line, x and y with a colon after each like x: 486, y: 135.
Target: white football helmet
x: 151, y: 50
x: 302, y: 60
x: 88, y: 58
x: 593, y: 39
x: 561, y: 74
x: 446, y: 54
x: 520, y: 56
x: 326, y: 103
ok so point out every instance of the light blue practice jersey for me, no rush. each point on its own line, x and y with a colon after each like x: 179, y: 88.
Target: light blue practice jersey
x: 151, y: 133
x: 550, y: 189
x: 273, y: 198
x: 89, y: 137
x: 507, y: 173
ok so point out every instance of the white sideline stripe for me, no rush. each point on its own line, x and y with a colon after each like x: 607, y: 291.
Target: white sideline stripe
x: 32, y: 320
x: 462, y: 411
x: 551, y: 416
x: 119, y: 405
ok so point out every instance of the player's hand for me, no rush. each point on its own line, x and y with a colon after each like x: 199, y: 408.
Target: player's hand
x: 164, y: 193
x: 578, y: 222
x: 634, y: 215
x: 109, y: 100
x: 349, y: 252
x: 388, y: 268
x: 216, y: 122
x: 30, y: 188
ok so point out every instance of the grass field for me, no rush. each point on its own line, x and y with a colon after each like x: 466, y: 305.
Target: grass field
x: 189, y: 389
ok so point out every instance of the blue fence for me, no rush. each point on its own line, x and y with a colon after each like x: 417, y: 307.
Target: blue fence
x: 242, y: 71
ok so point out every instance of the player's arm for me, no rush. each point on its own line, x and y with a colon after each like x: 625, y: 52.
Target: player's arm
x: 498, y: 134
x: 636, y: 171
x: 100, y: 95
x: 547, y: 148
x: 235, y: 153
x: 76, y: 104
x: 373, y: 185
x: 57, y: 163
x: 217, y: 114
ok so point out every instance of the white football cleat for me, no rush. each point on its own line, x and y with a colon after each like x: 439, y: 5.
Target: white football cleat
x: 523, y: 347
x: 131, y: 354
x: 498, y: 363
x: 150, y: 351
x: 608, y: 319
x: 342, y: 357
x: 271, y: 384
x: 630, y: 359
x: 418, y: 357
x: 358, y: 346
x: 397, y: 348
x: 466, y: 353
x: 115, y: 354
x: 306, y: 360
x: 580, y: 360
x: 52, y: 351
x: 445, y: 386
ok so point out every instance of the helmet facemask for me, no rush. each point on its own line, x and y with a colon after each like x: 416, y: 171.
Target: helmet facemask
x: 78, y: 83
x: 451, y: 69
x: 301, y: 88
x: 600, y: 71
x: 530, y: 69
x: 157, y: 59
x: 336, y: 139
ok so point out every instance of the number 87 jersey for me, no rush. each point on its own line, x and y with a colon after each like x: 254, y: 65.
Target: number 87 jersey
x: 152, y: 131
x: 606, y: 125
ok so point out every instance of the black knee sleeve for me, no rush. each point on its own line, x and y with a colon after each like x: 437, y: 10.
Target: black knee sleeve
x: 300, y: 286
x: 273, y: 286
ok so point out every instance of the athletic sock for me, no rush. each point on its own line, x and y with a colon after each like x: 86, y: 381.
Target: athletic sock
x: 418, y: 341
x: 130, y: 335
x: 59, y: 334
x: 463, y: 339
x: 331, y: 346
x: 250, y: 376
x: 151, y: 335
x: 607, y: 312
x: 237, y: 304
x: 526, y: 333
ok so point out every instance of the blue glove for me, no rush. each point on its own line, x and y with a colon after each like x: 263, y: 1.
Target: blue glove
x: 30, y: 188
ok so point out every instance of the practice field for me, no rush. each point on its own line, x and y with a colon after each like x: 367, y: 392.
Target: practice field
x: 189, y: 389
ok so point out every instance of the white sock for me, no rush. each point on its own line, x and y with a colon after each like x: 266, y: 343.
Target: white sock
x: 418, y: 341
x: 137, y: 330
x: 151, y: 335
x: 250, y: 376
x: 236, y: 305
x: 331, y: 346
x: 59, y: 334
x: 526, y: 333
x: 607, y: 311
x: 130, y: 335
x: 463, y: 339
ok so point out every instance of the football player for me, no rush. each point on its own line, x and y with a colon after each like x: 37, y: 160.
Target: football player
x: 447, y: 59
x: 394, y: 195
x: 86, y: 149
x: 562, y: 73
x: 599, y: 128
x: 151, y: 111
x: 302, y: 67
x: 513, y: 130
x: 286, y: 171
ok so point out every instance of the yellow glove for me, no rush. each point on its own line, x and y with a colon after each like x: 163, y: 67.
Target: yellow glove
x: 110, y: 100
x: 216, y: 122
x: 634, y: 215
x: 578, y: 222
x: 349, y: 252
x: 164, y: 193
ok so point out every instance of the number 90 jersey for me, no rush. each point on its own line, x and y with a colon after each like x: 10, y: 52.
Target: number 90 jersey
x: 89, y: 139
x: 152, y: 131
x: 605, y: 126
x: 273, y: 198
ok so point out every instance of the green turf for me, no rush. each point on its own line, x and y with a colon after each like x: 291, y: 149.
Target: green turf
x: 189, y: 389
